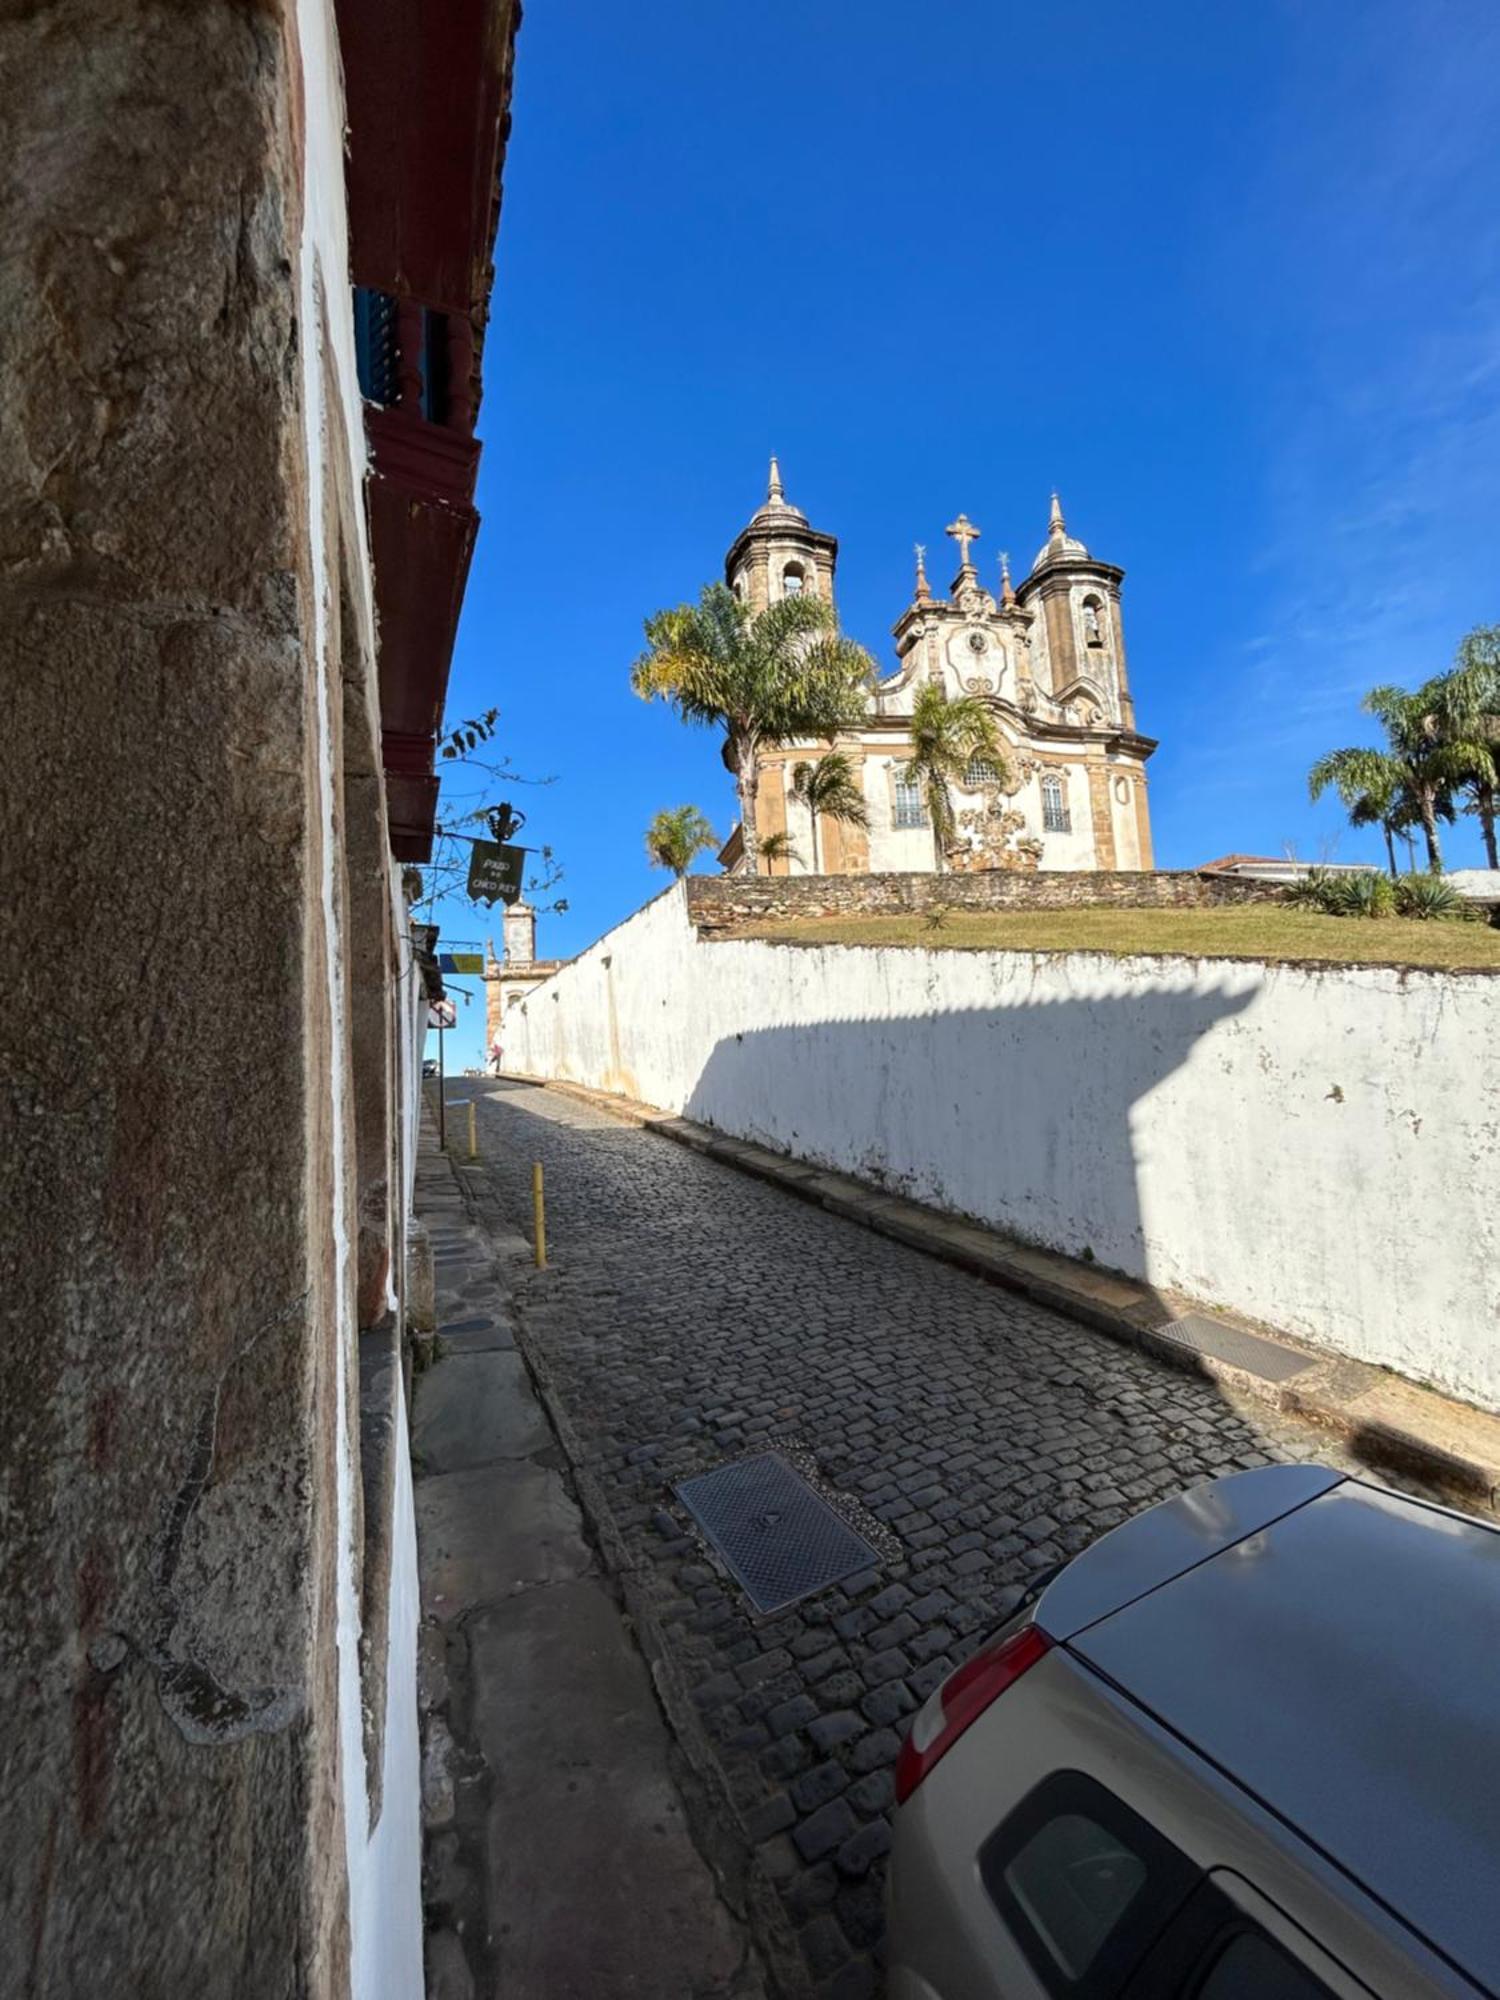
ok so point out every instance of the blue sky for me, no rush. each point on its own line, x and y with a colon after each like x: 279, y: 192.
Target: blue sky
x: 1228, y: 276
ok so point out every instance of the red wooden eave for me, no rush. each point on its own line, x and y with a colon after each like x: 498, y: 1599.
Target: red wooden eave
x: 428, y: 92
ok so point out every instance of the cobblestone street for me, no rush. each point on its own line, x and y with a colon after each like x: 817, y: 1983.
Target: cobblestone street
x: 692, y: 1315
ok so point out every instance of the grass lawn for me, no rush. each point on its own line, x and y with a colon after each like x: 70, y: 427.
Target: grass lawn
x: 1251, y: 930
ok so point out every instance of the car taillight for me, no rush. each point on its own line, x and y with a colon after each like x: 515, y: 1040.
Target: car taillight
x: 962, y: 1699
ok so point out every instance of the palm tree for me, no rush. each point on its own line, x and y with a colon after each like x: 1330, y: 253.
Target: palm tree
x: 830, y: 790
x: 1369, y: 787
x: 1466, y: 705
x: 946, y: 735
x: 1394, y: 818
x: 677, y: 836
x: 764, y: 678
x: 1417, y: 771
x: 777, y: 847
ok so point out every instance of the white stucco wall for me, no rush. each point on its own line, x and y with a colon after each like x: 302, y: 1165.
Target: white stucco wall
x: 384, y: 1862
x: 1318, y: 1148
x: 385, y: 1913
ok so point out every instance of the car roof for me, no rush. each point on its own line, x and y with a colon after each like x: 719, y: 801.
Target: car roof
x: 1340, y: 1660
x: 1154, y: 1546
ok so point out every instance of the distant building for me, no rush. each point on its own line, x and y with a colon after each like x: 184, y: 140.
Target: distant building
x: 512, y: 977
x: 1048, y: 657
x: 1278, y: 867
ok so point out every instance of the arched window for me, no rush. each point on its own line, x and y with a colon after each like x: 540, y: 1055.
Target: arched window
x: 792, y: 580
x: 981, y: 771
x: 1054, y: 805
x: 909, y: 810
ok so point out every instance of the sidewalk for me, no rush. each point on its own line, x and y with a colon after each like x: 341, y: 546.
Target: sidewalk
x: 559, y: 1864
x: 1378, y: 1417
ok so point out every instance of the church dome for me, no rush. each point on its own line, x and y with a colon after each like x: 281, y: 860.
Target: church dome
x: 1059, y: 546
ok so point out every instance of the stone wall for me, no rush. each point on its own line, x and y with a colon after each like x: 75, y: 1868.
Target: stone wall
x: 1313, y: 1147
x: 186, y: 633
x: 723, y: 902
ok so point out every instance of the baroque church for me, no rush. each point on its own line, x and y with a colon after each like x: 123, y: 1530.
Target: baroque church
x: 1047, y: 655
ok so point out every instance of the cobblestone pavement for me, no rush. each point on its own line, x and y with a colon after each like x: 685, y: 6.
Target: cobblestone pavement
x: 694, y: 1314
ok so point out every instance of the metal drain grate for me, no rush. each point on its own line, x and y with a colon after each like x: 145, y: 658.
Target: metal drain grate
x: 781, y: 1540
x: 1240, y: 1349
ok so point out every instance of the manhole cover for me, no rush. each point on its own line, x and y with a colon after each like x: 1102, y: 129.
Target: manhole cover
x: 781, y: 1540
x: 1265, y: 1358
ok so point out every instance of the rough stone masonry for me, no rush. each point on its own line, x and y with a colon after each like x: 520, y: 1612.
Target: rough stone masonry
x: 167, y: 1425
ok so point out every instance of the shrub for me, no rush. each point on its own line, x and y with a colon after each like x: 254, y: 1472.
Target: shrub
x: 1311, y: 893
x: 1432, y: 899
x: 1363, y: 894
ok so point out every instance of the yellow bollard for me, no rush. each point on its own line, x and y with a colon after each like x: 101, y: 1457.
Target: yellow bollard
x: 539, y: 1216
x: 473, y: 1130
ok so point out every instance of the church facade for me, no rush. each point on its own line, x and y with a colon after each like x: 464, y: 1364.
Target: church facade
x: 1048, y: 657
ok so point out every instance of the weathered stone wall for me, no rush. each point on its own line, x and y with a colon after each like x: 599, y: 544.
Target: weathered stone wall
x: 182, y: 1778
x: 721, y: 902
x: 1313, y: 1146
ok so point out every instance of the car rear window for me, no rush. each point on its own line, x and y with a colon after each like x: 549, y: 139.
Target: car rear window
x: 1075, y: 1882
x: 1083, y: 1883
x: 1250, y: 1967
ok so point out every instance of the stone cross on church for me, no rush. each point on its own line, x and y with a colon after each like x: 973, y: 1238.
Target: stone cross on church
x: 963, y: 532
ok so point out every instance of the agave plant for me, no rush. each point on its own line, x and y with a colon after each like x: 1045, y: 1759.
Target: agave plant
x: 1366, y: 894
x: 1363, y: 893
x: 1431, y: 899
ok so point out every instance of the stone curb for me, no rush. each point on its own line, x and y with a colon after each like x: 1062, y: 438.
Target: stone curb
x: 1446, y: 1444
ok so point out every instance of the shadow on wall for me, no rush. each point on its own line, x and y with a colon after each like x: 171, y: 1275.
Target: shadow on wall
x: 1025, y: 1117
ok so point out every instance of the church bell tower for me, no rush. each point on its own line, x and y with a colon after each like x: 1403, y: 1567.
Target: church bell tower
x: 778, y: 555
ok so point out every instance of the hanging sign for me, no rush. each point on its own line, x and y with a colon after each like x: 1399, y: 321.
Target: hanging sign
x: 460, y: 961
x: 495, y: 872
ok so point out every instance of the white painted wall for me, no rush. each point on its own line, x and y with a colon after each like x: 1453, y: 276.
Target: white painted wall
x: 1318, y: 1148
x: 385, y: 1915
x: 384, y: 1863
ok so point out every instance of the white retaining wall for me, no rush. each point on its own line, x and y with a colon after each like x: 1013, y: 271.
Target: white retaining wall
x: 1316, y: 1147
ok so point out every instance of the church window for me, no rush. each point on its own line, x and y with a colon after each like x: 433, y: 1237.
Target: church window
x: 908, y: 799
x: 792, y: 580
x: 981, y: 771
x: 1054, y: 806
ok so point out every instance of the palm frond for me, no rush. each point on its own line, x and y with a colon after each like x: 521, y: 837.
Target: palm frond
x: 677, y: 836
x: 830, y: 789
x: 779, y: 847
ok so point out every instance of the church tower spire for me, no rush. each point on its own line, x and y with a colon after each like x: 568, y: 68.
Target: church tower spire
x: 922, y: 594
x: 778, y: 555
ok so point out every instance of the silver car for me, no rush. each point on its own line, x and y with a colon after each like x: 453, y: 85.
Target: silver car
x: 1246, y: 1747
